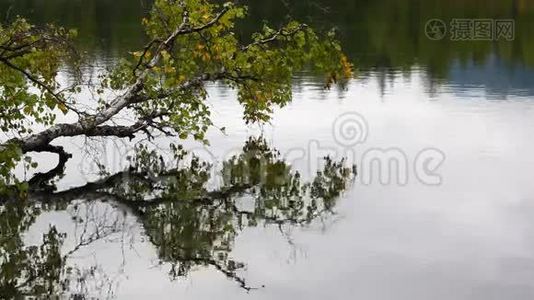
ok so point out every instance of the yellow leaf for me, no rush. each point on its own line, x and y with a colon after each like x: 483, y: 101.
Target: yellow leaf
x: 169, y: 69
x: 63, y: 108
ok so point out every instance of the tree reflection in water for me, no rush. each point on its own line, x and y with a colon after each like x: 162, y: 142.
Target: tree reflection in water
x: 189, y: 225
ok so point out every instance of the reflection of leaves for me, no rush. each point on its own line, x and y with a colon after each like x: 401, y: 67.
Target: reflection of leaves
x: 189, y: 234
x: 201, y: 231
x: 27, y: 270
x: 151, y: 177
x: 190, y: 225
x: 278, y: 192
x: 38, y: 270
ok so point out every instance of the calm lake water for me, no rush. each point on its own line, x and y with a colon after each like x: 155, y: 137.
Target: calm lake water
x: 448, y: 214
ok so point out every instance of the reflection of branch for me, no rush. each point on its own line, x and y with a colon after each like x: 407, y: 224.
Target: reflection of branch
x: 93, y: 237
x: 98, y: 189
x: 39, y: 180
x: 99, y: 222
x: 231, y: 274
x: 103, y: 227
x: 274, y: 220
x: 191, y: 226
x: 228, y: 272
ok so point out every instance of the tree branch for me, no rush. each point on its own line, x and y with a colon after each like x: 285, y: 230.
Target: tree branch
x: 274, y: 36
x: 94, y: 125
x: 37, y: 82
